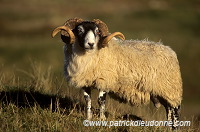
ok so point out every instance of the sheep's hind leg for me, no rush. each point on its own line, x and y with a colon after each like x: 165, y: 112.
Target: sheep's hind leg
x: 173, y: 114
x: 169, y: 113
x: 102, y: 104
x: 87, y: 96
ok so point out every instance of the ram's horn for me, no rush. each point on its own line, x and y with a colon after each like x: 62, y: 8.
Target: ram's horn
x: 68, y: 30
x: 102, y: 27
x: 115, y: 34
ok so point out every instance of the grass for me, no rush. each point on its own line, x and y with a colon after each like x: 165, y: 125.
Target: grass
x: 34, y: 95
x: 44, y: 104
x: 53, y: 116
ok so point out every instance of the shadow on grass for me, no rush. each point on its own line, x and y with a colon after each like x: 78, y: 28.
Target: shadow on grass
x: 24, y: 99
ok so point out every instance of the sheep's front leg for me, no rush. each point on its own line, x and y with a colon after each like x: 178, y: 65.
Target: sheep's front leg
x: 87, y: 96
x: 102, y: 104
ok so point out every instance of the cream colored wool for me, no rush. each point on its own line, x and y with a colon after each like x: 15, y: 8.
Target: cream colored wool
x: 133, y: 70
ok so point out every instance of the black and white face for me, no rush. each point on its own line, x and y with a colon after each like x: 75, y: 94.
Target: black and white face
x: 88, y: 35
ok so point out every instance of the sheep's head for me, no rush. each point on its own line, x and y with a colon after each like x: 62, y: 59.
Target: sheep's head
x: 89, y: 34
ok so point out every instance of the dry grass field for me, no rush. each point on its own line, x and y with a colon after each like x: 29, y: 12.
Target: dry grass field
x: 34, y: 95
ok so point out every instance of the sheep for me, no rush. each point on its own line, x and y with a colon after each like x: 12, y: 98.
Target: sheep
x: 132, y: 70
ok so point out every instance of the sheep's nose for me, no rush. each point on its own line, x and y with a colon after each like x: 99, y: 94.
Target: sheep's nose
x: 91, y: 45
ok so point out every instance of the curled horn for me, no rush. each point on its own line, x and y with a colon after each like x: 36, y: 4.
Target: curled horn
x: 66, y: 30
x: 102, y: 27
x: 115, y: 34
x: 105, y: 32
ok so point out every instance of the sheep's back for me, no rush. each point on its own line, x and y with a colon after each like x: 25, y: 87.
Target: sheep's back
x: 148, y: 67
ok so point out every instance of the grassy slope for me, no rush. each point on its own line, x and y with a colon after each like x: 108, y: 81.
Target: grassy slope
x: 31, y: 62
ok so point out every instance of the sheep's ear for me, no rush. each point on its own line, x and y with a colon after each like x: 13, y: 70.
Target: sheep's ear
x: 65, y: 39
x: 67, y: 30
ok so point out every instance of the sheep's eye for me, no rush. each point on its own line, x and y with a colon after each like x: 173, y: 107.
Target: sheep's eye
x: 97, y: 32
x: 80, y: 30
